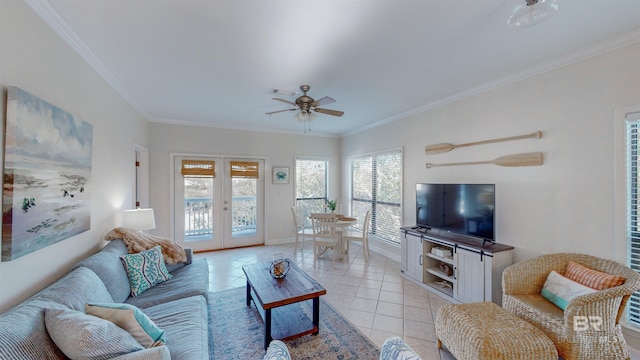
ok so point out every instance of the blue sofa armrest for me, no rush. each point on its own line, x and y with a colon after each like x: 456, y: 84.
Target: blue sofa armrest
x: 277, y: 350
x: 154, y: 353
x: 394, y: 348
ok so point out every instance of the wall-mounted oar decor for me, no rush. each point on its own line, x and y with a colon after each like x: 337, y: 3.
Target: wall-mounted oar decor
x: 445, y: 147
x: 528, y: 159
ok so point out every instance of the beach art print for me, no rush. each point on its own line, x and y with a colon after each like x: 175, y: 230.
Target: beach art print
x: 47, y: 174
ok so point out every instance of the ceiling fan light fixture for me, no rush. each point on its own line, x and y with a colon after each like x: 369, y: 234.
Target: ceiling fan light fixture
x: 532, y: 12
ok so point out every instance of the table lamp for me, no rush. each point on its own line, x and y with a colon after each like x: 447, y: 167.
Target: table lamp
x: 139, y: 219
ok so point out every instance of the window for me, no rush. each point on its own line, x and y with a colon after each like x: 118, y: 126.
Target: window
x: 632, y: 224
x: 311, y: 184
x: 376, y: 184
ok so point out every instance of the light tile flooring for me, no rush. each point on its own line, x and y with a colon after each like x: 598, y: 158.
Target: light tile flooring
x: 371, y: 295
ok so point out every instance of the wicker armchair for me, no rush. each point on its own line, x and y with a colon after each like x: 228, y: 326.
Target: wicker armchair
x: 522, y: 284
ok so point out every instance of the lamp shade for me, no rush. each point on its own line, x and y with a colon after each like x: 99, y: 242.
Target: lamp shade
x: 139, y: 219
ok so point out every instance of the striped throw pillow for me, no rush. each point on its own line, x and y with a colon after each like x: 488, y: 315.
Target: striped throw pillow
x: 592, y: 278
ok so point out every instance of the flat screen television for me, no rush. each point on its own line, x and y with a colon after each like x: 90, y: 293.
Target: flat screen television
x: 466, y: 209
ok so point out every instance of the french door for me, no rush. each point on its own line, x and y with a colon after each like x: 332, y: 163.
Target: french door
x: 218, y: 202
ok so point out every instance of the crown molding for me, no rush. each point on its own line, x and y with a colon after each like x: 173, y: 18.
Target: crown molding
x: 50, y: 16
x: 262, y: 130
x: 585, y: 53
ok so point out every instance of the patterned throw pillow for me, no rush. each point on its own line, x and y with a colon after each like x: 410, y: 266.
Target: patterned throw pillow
x: 130, y: 318
x: 145, y: 270
x: 592, y: 278
x: 560, y: 290
x: 82, y: 336
x: 277, y: 350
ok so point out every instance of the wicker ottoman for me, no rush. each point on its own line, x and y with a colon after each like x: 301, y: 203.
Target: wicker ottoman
x: 483, y: 330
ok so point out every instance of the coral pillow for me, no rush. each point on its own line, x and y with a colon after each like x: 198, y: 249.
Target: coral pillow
x: 592, y: 278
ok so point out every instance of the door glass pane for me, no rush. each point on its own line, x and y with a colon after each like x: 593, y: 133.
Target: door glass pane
x: 198, y: 208
x: 243, y: 206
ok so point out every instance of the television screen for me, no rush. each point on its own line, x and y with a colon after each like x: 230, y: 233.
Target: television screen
x: 466, y: 209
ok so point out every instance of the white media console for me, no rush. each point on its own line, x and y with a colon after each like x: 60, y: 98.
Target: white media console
x: 460, y: 268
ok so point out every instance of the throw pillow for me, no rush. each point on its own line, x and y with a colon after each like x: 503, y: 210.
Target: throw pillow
x: 592, y: 278
x: 145, y: 270
x: 277, y: 350
x: 82, y: 336
x: 560, y: 290
x: 130, y: 318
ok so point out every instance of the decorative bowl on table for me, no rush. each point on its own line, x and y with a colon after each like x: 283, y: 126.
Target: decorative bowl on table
x: 279, y: 268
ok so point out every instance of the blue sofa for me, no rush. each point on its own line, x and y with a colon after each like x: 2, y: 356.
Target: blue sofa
x: 178, y: 306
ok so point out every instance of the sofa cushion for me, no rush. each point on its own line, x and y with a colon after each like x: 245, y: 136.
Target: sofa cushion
x: 23, y: 335
x: 185, y: 324
x: 107, y: 265
x: 592, y: 278
x: 190, y: 280
x: 560, y: 290
x: 145, y: 269
x: 82, y: 336
x: 131, y: 319
x: 77, y: 288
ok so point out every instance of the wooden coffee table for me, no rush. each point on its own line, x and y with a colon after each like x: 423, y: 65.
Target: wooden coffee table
x: 278, y: 301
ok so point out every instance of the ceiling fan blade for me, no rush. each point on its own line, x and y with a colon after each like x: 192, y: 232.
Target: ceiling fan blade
x: 279, y: 111
x: 329, y: 112
x: 324, y: 101
x: 285, y: 101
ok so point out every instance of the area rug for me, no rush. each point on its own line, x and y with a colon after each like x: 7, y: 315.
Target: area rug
x: 238, y: 332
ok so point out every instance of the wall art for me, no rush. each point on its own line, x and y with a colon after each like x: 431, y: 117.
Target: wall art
x: 47, y: 175
x: 280, y: 175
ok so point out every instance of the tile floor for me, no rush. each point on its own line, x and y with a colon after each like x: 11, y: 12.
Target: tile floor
x: 371, y: 295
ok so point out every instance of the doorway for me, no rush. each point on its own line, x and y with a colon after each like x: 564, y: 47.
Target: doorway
x: 218, y: 202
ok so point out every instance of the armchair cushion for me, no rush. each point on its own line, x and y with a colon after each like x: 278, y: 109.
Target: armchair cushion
x: 592, y: 278
x: 560, y: 290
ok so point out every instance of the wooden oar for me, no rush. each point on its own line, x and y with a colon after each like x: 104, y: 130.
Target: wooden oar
x: 528, y: 159
x: 445, y: 147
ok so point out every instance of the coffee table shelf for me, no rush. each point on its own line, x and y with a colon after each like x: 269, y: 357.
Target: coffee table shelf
x: 279, y: 301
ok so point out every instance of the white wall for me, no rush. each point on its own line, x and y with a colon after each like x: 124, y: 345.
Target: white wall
x: 276, y: 149
x: 35, y: 59
x: 566, y: 205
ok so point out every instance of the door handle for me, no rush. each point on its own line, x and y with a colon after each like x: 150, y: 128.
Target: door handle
x: 420, y: 260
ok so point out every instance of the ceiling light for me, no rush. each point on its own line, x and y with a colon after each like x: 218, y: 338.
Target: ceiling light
x: 532, y: 12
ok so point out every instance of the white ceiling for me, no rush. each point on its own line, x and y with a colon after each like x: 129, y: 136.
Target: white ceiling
x: 216, y: 62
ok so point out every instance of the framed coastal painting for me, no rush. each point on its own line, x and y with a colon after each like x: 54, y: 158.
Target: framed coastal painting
x: 47, y: 175
x: 280, y: 175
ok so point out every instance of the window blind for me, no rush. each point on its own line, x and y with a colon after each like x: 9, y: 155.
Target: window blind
x: 376, y: 185
x: 633, y: 230
x: 244, y: 169
x: 311, y: 184
x: 198, y: 168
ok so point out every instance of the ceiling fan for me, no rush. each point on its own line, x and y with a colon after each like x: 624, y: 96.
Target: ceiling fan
x: 306, y: 104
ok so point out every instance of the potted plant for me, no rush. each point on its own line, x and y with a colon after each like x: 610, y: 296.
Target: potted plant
x: 332, y: 205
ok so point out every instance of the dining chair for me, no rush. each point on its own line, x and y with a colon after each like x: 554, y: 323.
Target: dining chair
x: 324, y: 235
x: 299, y: 228
x: 359, y: 236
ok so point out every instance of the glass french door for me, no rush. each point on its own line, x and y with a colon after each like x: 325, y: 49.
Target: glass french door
x: 218, y: 202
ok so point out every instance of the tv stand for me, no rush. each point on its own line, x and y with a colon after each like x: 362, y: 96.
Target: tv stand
x: 461, y: 268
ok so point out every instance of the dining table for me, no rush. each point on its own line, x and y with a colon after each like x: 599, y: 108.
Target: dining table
x: 342, y: 223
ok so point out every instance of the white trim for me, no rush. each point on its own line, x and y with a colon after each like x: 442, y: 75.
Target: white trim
x: 44, y: 9
x: 585, y: 53
x: 630, y: 332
